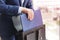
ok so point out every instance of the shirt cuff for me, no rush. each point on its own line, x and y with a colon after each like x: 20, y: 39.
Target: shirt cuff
x: 20, y: 10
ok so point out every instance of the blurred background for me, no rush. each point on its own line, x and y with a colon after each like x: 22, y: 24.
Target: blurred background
x: 50, y: 11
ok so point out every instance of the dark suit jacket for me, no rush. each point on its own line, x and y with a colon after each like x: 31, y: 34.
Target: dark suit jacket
x: 9, y: 8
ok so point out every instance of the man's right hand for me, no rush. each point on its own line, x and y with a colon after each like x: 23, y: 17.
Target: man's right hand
x: 29, y: 12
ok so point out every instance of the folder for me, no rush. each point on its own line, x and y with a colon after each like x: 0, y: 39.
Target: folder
x: 27, y: 24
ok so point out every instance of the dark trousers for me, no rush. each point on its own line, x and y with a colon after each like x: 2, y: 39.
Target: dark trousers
x: 19, y: 35
x: 8, y: 38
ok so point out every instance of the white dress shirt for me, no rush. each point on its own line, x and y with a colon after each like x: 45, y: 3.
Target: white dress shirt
x: 20, y: 9
x: 16, y: 19
x: 22, y: 1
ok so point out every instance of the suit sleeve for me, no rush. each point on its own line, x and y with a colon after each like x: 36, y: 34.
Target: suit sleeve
x: 8, y: 9
x: 29, y: 4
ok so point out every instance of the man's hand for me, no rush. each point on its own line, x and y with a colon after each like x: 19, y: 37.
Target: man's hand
x: 29, y: 12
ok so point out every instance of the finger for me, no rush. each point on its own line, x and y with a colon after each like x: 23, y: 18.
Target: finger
x: 28, y: 17
x: 31, y: 16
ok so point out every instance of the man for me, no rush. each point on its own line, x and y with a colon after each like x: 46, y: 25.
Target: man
x: 9, y: 8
